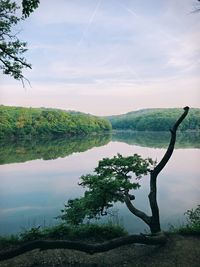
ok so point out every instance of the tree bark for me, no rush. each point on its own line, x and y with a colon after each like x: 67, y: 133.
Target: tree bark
x: 81, y: 246
x: 153, y: 221
x: 143, y: 216
x: 155, y: 218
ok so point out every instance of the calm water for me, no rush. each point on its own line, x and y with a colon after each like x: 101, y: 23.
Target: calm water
x: 37, y: 177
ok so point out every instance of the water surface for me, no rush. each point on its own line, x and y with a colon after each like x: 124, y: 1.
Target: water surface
x: 38, y: 176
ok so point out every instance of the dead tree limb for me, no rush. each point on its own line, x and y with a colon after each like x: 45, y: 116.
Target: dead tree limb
x: 81, y: 246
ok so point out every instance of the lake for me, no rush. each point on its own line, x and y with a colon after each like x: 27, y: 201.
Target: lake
x: 38, y: 176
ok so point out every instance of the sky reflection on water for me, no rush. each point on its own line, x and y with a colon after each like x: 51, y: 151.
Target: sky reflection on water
x: 32, y: 193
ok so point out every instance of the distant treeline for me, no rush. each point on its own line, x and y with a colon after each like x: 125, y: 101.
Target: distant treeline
x: 156, y: 120
x: 29, y: 122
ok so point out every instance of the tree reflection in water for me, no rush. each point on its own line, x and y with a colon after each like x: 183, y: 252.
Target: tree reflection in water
x: 46, y: 149
x: 25, y: 150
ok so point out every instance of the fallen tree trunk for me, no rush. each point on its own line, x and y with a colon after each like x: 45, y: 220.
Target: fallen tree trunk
x: 81, y: 246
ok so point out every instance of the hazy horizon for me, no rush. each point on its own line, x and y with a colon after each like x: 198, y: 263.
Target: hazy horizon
x: 70, y: 110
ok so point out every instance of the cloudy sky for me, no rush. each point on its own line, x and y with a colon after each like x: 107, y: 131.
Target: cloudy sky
x: 109, y: 56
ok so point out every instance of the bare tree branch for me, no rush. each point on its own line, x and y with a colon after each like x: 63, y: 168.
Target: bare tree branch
x: 170, y: 149
x: 81, y: 246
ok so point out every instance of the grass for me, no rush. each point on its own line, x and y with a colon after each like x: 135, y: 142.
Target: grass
x: 192, y: 227
x: 7, y: 241
x: 91, y: 232
x: 188, y: 230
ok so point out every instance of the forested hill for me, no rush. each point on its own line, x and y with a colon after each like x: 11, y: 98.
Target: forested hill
x: 19, y: 122
x: 156, y: 119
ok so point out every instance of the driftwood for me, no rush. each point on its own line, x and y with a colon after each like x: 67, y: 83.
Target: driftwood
x: 81, y: 246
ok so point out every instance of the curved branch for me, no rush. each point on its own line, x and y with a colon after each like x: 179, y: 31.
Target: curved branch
x: 155, y: 219
x: 170, y: 148
x: 81, y: 246
x: 135, y: 211
x: 15, y: 58
x: 7, y: 65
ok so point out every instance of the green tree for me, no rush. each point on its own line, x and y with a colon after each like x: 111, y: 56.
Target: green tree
x: 31, y: 122
x: 113, y: 180
x: 155, y: 120
x: 12, y: 49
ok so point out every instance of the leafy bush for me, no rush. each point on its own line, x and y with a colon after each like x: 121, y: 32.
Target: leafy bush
x: 33, y: 234
x: 194, y: 217
x: 193, y: 222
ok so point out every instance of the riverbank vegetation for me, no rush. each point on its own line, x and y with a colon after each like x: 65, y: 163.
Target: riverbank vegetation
x: 157, y: 119
x: 91, y: 232
x: 192, y: 227
x: 19, y: 122
x: 181, y: 251
x: 84, y: 232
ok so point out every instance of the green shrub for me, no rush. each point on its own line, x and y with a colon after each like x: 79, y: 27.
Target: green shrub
x: 33, y: 234
x: 193, y: 222
x: 194, y: 216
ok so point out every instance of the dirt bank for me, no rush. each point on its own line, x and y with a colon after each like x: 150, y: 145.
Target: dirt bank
x: 183, y: 251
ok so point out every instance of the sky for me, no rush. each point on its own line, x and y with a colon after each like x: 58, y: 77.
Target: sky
x: 108, y: 57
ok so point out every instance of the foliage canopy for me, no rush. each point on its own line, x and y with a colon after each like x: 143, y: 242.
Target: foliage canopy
x: 156, y: 119
x: 29, y: 122
x: 112, y: 179
x: 12, y: 49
